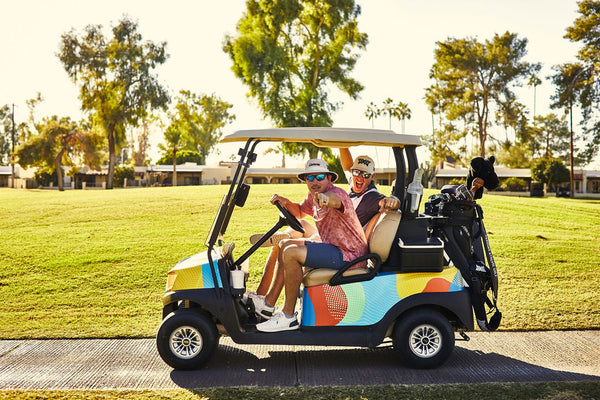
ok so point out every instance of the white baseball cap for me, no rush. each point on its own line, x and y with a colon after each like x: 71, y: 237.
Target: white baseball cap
x: 364, y: 163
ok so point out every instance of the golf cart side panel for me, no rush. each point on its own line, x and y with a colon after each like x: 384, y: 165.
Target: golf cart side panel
x: 194, y: 272
x: 366, y: 303
x: 455, y: 305
x: 203, y: 298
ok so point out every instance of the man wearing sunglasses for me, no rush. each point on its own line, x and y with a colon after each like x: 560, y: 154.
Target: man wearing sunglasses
x: 366, y: 198
x: 342, y: 239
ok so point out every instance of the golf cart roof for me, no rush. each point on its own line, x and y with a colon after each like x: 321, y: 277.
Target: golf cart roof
x: 327, y: 137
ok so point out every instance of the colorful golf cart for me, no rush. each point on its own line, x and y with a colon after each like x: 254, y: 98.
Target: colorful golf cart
x: 425, y: 275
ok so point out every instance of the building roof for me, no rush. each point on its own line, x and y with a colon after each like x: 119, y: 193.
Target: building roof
x: 186, y: 167
x: 502, y: 172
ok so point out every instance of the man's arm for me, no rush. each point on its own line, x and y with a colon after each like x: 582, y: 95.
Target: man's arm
x: 389, y: 203
x: 293, y: 208
x: 330, y: 200
x: 346, y: 159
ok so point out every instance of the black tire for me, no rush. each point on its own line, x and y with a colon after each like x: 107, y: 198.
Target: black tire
x: 187, y: 339
x: 423, y: 339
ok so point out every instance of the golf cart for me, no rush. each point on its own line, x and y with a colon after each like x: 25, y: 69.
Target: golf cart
x: 425, y: 275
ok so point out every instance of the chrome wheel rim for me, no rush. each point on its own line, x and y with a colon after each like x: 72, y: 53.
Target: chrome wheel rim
x: 185, y: 342
x: 425, y: 341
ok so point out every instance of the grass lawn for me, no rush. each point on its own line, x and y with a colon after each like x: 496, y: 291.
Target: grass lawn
x: 94, y: 263
x: 488, y: 391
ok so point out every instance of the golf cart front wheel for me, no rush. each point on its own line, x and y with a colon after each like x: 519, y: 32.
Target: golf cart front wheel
x: 187, y: 339
x: 423, y: 339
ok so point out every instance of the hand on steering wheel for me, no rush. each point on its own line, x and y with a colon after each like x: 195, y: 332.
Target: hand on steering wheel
x: 291, y: 220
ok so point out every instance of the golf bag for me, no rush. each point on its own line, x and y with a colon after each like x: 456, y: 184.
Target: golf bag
x: 467, y: 247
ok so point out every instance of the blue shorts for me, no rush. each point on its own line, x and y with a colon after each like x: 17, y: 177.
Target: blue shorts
x: 323, y: 255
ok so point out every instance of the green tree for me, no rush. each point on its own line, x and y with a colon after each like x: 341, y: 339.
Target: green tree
x: 199, y: 121
x: 577, y: 84
x: 473, y: 78
x: 574, y: 85
x: 123, y: 172
x: 549, y: 171
x: 59, y: 143
x: 292, y: 53
x: 550, y: 137
x: 115, y: 78
x: 5, y: 134
x: 183, y: 156
x: 173, y: 137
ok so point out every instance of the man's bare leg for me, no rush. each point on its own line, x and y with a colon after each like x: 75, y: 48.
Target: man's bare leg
x: 267, y: 279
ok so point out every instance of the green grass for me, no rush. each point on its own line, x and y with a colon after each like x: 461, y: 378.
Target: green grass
x: 490, y: 391
x: 94, y: 263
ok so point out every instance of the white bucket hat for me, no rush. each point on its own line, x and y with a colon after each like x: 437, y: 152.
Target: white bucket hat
x: 317, y: 166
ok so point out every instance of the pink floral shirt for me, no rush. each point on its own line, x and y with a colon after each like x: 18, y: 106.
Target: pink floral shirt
x: 339, y: 228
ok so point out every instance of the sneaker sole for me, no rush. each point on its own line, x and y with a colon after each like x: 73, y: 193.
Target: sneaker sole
x: 289, y: 328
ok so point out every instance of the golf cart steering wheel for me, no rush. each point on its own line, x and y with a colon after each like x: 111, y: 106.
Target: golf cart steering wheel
x: 289, y: 218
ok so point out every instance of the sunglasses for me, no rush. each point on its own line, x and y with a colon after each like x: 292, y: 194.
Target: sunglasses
x: 318, y: 177
x: 357, y: 172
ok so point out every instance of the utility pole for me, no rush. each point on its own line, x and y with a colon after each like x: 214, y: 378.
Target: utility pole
x: 12, y: 152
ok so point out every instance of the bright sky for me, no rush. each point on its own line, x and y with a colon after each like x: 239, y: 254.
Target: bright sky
x: 402, y: 36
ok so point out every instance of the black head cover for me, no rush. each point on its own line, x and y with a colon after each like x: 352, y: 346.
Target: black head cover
x: 484, y: 169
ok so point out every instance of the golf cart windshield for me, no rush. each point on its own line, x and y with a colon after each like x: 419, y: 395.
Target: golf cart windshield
x: 403, y: 146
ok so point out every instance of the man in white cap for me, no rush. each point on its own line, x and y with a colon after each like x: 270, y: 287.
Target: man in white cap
x: 366, y: 198
x: 342, y: 239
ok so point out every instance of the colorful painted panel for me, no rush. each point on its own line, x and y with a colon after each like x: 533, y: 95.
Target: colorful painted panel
x: 365, y: 303
x: 193, y: 273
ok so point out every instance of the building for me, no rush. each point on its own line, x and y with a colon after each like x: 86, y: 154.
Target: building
x: 585, y: 182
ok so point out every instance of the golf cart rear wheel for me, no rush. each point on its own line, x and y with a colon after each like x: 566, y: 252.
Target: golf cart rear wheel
x: 187, y: 339
x: 423, y: 339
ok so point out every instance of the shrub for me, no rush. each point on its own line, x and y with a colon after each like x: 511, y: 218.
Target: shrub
x: 514, y: 184
x: 121, y: 173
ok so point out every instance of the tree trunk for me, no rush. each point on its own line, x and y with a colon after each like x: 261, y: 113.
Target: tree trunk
x: 58, y: 169
x: 174, y: 167
x: 111, y: 158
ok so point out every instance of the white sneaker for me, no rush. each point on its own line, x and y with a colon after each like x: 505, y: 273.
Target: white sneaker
x: 260, y: 306
x: 279, y: 322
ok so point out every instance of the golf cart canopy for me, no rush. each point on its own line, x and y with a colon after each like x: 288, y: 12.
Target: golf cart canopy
x: 403, y: 147
x: 327, y: 137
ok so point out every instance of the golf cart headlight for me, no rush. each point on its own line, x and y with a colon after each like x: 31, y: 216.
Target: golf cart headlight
x: 171, y: 276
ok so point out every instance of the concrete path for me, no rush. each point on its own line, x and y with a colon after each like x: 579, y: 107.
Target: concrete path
x: 135, y: 363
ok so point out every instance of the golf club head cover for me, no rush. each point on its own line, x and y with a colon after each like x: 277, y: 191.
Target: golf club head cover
x: 484, y: 169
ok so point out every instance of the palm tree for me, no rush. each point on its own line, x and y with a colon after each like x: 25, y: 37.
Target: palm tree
x: 277, y: 150
x: 534, y: 81
x: 372, y: 112
x: 401, y: 111
x: 174, y: 141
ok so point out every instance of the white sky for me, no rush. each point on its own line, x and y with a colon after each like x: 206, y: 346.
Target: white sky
x: 402, y: 36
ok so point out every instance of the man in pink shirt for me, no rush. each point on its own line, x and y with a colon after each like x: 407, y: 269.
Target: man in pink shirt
x: 342, y: 239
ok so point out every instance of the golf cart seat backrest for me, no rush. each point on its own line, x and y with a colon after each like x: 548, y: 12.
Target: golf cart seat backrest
x: 380, y: 233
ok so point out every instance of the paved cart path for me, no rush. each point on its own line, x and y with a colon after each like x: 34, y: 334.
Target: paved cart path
x: 135, y: 363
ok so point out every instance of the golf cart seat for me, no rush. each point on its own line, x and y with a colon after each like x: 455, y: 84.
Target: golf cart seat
x: 380, y: 233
